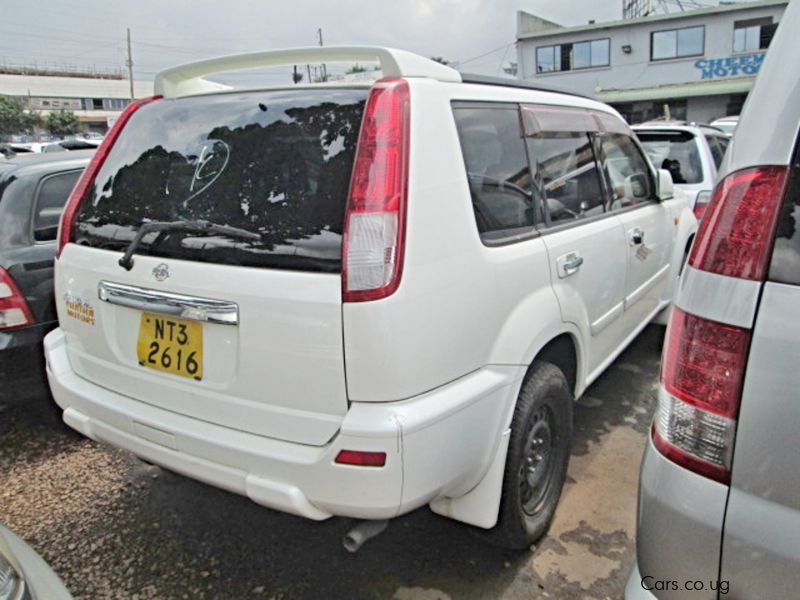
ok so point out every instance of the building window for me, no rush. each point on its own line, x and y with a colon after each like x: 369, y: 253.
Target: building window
x: 115, y: 103
x: 677, y: 43
x: 753, y: 34
x: 568, y: 57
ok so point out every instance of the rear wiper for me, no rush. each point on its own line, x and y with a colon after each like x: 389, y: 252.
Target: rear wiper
x: 197, y: 226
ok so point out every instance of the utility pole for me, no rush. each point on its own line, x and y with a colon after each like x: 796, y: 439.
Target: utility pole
x: 130, y: 64
x: 324, y: 69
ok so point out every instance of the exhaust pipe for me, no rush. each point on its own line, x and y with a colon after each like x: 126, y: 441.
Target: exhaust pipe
x: 362, y: 533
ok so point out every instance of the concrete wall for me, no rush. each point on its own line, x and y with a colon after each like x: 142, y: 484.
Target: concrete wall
x: 704, y: 109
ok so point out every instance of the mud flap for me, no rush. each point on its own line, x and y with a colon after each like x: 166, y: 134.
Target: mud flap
x: 481, y: 505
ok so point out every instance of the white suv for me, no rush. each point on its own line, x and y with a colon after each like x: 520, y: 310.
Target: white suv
x: 354, y: 299
x: 691, y: 153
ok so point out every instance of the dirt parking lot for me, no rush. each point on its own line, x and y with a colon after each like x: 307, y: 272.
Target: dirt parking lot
x: 113, y: 527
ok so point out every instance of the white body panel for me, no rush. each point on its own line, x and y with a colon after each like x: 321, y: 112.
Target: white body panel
x: 255, y: 373
x: 592, y: 297
x: 302, y: 479
x: 648, y: 262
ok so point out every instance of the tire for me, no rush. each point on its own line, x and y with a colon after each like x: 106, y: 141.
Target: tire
x: 541, y: 431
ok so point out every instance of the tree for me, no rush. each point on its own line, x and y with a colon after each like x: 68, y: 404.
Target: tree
x: 14, y: 118
x: 356, y: 68
x: 63, y: 122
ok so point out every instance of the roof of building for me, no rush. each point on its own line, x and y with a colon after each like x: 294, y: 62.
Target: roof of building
x: 558, y: 30
x: 739, y: 85
x: 72, y: 87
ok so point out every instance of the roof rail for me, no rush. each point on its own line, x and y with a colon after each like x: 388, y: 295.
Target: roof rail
x: 518, y: 83
x: 188, y: 79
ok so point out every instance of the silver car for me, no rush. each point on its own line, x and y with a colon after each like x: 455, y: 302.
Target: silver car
x: 719, y: 494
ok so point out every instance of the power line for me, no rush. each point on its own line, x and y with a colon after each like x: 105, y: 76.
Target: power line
x: 504, y: 46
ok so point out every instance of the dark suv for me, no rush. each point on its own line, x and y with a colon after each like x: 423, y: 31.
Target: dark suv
x: 33, y: 190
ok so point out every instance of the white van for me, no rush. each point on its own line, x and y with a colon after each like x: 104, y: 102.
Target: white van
x: 358, y: 299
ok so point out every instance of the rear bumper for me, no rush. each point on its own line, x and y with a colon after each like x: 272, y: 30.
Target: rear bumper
x: 679, y: 528
x: 636, y: 589
x: 438, y: 444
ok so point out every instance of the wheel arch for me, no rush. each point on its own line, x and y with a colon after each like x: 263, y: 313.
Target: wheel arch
x: 561, y: 351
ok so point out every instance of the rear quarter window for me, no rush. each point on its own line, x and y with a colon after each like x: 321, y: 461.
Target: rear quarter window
x: 785, y: 263
x: 274, y: 163
x: 497, y: 170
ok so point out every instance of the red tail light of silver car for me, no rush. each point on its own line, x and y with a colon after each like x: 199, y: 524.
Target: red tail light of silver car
x: 704, y: 361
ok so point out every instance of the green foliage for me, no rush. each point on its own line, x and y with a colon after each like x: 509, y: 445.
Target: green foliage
x: 14, y: 118
x: 63, y: 122
x: 356, y: 68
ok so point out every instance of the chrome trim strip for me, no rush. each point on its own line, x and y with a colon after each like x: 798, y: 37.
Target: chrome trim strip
x: 719, y: 298
x: 176, y: 305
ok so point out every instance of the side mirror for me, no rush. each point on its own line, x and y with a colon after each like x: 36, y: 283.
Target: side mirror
x: 666, y: 191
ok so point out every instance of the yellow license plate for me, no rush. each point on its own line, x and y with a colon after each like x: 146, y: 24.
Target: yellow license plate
x: 171, y: 345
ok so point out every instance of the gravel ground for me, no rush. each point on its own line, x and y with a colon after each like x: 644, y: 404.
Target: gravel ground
x: 113, y: 527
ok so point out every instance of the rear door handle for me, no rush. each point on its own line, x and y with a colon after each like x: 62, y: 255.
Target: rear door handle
x: 569, y: 264
x: 166, y: 303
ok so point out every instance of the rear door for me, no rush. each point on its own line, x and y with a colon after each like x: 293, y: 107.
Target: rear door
x: 761, y: 554
x: 239, y: 325
x: 585, y: 243
x: 647, y: 226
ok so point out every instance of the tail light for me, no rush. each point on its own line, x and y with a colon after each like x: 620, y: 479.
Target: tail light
x: 702, y: 372
x: 704, y: 361
x: 374, y: 231
x: 701, y: 204
x: 14, y: 309
x: 735, y: 237
x: 90, y: 173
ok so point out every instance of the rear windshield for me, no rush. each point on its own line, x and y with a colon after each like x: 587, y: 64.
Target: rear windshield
x: 275, y: 164
x: 675, y: 151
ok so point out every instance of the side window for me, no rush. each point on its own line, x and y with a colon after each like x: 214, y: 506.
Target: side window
x: 565, y: 172
x: 627, y: 173
x: 497, y: 168
x: 718, y: 146
x: 53, y: 193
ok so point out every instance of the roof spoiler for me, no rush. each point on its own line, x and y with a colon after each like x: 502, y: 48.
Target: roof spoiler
x: 188, y: 79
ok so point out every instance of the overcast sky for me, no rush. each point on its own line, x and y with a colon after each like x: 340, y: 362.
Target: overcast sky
x: 479, y: 34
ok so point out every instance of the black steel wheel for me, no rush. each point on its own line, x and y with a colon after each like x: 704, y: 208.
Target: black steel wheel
x: 537, y: 460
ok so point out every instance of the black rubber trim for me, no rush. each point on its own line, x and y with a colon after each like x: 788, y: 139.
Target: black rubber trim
x: 517, y: 83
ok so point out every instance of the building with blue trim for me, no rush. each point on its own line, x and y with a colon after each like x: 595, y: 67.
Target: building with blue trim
x: 693, y: 65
